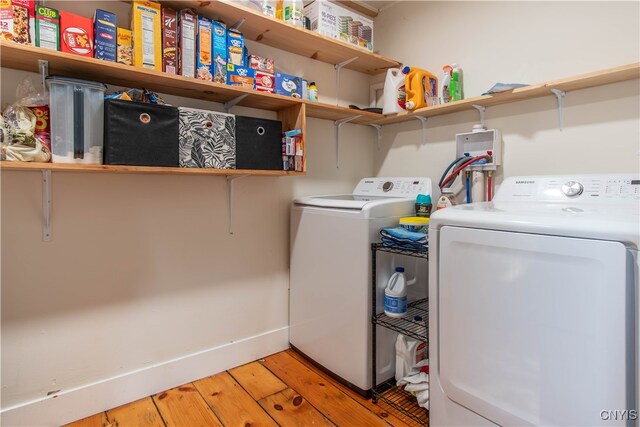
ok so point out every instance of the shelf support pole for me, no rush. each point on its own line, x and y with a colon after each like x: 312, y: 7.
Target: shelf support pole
x: 560, y: 95
x: 423, y: 121
x: 379, y: 131
x: 46, y: 206
x: 43, y: 67
x: 227, y: 106
x: 238, y: 24
x: 481, y: 109
x: 230, y: 193
x: 337, y: 124
x: 339, y: 67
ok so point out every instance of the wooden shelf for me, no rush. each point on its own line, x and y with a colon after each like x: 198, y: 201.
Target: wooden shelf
x: 583, y: 81
x: 60, y: 167
x: 26, y: 58
x: 276, y: 33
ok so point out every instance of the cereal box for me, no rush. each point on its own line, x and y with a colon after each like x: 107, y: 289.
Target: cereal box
x: 106, y: 33
x: 23, y: 21
x: 259, y: 63
x: 124, y: 48
x: 288, y: 85
x: 235, y: 47
x: 219, y: 52
x: 265, y: 82
x: 169, y: 41
x: 241, y: 76
x: 147, y: 35
x: 203, y: 49
x: 76, y: 34
x: 187, y: 38
x: 47, y: 28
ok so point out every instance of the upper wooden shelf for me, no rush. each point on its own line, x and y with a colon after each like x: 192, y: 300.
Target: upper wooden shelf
x: 276, y: 33
x: 61, y: 167
x: 582, y: 81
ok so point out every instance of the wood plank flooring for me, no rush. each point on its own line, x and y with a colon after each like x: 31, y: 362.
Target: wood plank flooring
x: 283, y: 389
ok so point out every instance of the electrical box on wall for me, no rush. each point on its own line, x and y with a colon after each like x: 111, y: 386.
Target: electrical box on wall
x: 478, y: 143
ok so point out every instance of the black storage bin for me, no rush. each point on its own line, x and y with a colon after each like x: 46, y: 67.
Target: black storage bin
x: 140, y: 134
x: 258, y: 143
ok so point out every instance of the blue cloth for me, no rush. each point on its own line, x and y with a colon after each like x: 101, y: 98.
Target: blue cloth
x: 399, y: 237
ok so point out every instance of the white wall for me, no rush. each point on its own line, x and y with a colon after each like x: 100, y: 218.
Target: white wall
x: 142, y: 270
x: 520, y: 42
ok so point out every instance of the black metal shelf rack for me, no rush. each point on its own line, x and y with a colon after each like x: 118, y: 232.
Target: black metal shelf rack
x: 414, y: 324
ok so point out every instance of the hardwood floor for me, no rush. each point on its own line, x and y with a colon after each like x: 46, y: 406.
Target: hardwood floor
x: 282, y: 389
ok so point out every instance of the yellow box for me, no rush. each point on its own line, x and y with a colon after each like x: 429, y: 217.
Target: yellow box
x: 124, y: 52
x: 147, y: 35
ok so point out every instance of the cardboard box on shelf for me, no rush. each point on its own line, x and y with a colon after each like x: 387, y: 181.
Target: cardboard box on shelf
x: 187, y: 25
x: 124, y: 48
x: 235, y: 47
x: 203, y: 49
x: 241, y: 76
x: 169, y: 41
x: 219, y: 52
x: 47, y: 28
x: 106, y: 34
x: 259, y: 63
x: 335, y: 21
x: 288, y: 85
x: 265, y: 82
x: 24, y: 22
x: 147, y: 35
x: 76, y: 34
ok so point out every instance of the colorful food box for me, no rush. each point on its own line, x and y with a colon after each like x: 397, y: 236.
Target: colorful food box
x: 219, y: 52
x: 169, y: 41
x: 147, y: 35
x: 76, y: 34
x: 187, y: 23
x: 288, y: 85
x: 332, y: 20
x: 23, y: 21
x: 203, y: 49
x: 259, y: 63
x: 124, y: 48
x: 106, y: 34
x: 6, y: 20
x: 235, y: 47
x: 241, y: 76
x: 47, y: 28
x: 265, y: 82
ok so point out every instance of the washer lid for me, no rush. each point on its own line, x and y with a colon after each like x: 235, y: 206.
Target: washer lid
x: 346, y: 201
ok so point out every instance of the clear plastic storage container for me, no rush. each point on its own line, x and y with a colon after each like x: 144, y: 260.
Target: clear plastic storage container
x: 77, y: 116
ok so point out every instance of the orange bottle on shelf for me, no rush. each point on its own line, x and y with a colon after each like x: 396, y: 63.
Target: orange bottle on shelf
x: 421, y: 88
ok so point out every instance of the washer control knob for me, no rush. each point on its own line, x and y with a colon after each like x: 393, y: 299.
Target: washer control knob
x: 387, y: 186
x: 572, y: 189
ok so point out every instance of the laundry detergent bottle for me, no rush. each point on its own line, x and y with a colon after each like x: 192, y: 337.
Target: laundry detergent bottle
x: 393, y: 97
x: 420, y: 86
x: 395, y: 294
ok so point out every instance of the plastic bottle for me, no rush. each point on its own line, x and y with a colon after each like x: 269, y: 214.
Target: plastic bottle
x: 408, y: 353
x: 279, y: 14
x: 268, y: 8
x: 445, y: 83
x: 447, y: 199
x: 420, y: 86
x: 292, y: 12
x: 313, y: 91
x: 393, y: 97
x: 423, y: 205
x: 395, y: 294
x: 455, y: 89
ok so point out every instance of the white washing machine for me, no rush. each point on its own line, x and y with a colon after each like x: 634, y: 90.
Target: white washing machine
x: 330, y: 276
x: 534, y: 304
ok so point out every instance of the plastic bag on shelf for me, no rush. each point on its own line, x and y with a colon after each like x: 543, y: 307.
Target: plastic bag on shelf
x: 24, y: 126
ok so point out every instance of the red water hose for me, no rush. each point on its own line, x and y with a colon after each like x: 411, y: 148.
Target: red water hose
x: 489, y: 188
x: 456, y: 171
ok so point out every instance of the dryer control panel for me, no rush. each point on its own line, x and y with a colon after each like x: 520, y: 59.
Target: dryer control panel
x: 393, y: 187
x: 618, y: 188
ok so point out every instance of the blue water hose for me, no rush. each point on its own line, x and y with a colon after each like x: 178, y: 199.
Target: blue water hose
x: 467, y: 184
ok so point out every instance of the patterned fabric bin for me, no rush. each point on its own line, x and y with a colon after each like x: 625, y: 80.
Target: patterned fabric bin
x: 207, y: 139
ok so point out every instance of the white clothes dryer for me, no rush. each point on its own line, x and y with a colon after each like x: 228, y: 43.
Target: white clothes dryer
x: 330, y: 275
x: 534, y: 304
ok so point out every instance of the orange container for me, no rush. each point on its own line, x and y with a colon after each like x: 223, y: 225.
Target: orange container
x: 421, y: 87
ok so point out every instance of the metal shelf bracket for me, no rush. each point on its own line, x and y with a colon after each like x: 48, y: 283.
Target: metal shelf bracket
x: 238, y: 24
x: 227, y: 106
x: 337, y: 124
x: 379, y: 131
x: 47, y: 206
x: 560, y: 95
x: 43, y: 67
x: 230, y: 192
x: 339, y: 67
x: 481, y: 109
x: 423, y: 121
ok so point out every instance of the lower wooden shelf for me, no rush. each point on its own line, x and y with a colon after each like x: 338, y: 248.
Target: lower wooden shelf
x: 28, y: 166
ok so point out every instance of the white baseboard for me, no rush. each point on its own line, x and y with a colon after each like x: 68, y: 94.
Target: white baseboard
x: 89, y: 399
